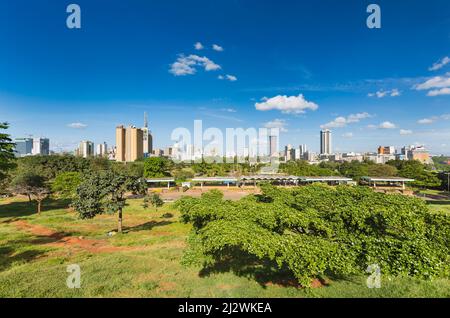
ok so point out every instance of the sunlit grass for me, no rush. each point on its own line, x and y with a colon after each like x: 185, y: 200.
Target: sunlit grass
x: 147, y: 263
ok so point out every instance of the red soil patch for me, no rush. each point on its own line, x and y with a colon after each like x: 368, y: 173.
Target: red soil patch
x: 62, y: 240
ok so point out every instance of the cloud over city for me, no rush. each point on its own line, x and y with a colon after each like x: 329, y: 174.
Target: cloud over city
x: 287, y: 104
x: 341, y: 121
x: 187, y: 65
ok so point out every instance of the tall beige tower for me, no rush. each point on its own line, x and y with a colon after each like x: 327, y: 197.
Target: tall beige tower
x: 120, y: 143
x: 134, y: 149
x: 129, y: 144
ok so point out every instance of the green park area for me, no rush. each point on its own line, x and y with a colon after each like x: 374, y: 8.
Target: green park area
x: 146, y: 260
x: 302, y: 241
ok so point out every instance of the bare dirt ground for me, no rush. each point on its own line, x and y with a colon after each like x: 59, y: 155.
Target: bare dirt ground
x: 49, y: 237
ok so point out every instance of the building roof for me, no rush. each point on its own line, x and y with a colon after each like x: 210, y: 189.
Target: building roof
x: 268, y: 177
x: 387, y: 179
x: 325, y: 179
x: 215, y: 179
x: 157, y: 180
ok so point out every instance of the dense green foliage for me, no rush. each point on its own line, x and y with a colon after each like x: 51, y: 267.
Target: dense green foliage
x: 303, y: 168
x: 32, y: 185
x: 156, y: 167
x: 319, y: 230
x: 416, y: 170
x: 6, y: 153
x: 442, y: 163
x: 66, y: 183
x: 104, y: 192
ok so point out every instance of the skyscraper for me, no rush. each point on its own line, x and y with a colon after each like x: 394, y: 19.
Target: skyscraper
x: 147, y: 137
x: 24, y: 147
x: 325, y: 142
x: 102, y: 150
x: 86, y: 149
x: 129, y: 144
x: 273, y: 146
x: 41, y: 146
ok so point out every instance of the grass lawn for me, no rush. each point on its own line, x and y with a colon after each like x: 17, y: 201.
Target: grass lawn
x: 142, y: 262
x: 438, y: 201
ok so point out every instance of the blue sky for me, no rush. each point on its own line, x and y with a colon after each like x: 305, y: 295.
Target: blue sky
x: 315, y: 62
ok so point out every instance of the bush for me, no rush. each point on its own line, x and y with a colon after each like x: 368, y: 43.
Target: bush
x: 316, y: 230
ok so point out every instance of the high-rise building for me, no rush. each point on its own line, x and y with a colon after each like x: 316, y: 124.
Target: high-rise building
x: 147, y: 138
x: 41, y: 146
x: 86, y: 149
x: 325, y: 142
x: 417, y: 153
x: 24, y: 147
x: 102, y: 150
x: 388, y: 150
x: 273, y: 146
x: 287, y: 152
x: 129, y: 144
x: 302, y: 149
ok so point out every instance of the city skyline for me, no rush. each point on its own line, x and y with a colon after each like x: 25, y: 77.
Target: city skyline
x: 306, y: 74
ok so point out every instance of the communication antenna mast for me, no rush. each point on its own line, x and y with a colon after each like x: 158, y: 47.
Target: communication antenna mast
x: 145, y: 120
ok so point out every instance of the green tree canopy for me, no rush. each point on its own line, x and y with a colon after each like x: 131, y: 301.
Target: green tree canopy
x: 104, y: 192
x: 156, y: 167
x: 6, y: 152
x: 31, y: 185
x: 318, y: 230
x: 66, y: 184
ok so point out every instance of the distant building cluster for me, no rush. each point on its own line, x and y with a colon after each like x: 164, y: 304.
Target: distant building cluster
x: 32, y: 147
x: 382, y: 156
x: 133, y: 143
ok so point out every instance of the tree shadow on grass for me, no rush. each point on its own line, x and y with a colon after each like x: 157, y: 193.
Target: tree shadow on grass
x: 439, y: 202
x: 146, y: 226
x: 25, y: 208
x: 264, y: 272
x: 9, y: 256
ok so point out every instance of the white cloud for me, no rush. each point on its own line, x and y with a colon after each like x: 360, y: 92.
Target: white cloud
x: 440, y: 64
x: 348, y: 135
x: 198, y: 46
x: 77, y: 125
x: 228, y: 110
x: 437, y: 92
x: 435, y: 82
x: 340, y: 121
x: 217, y: 48
x: 387, y: 125
x: 228, y: 77
x: 426, y: 121
x: 382, y: 93
x: 405, y: 132
x: 433, y: 119
x: 277, y: 123
x: 186, y: 65
x: 286, y: 104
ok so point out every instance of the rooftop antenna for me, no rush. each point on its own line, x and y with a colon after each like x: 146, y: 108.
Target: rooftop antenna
x: 145, y: 120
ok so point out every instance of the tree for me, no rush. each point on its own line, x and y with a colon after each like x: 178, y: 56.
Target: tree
x: 155, y: 200
x: 156, y: 167
x: 66, y: 183
x: 104, y: 192
x: 381, y: 170
x: 31, y: 185
x: 414, y: 169
x: 317, y: 230
x: 6, y: 152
